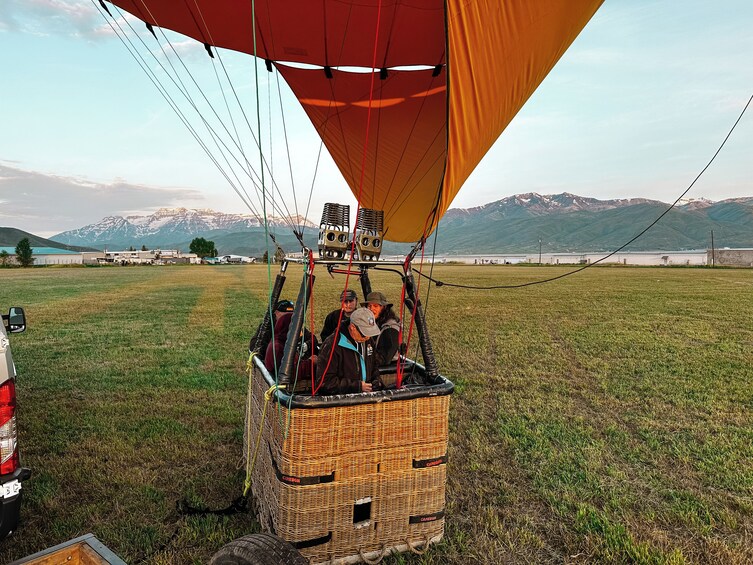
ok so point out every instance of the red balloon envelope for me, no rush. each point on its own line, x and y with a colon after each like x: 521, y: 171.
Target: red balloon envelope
x: 477, y: 62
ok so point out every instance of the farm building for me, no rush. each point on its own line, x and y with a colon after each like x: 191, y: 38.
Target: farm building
x: 645, y: 258
x: 150, y: 257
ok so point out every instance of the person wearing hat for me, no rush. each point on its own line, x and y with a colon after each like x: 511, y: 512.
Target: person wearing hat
x: 305, y: 356
x: 346, y: 362
x: 387, y: 342
x: 348, y: 303
x: 281, y: 308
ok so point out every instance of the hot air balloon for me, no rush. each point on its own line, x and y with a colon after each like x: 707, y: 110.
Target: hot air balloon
x: 407, y: 96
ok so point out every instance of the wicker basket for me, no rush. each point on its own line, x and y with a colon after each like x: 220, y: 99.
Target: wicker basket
x: 352, y: 476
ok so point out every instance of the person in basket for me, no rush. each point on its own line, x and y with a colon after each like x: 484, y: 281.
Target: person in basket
x: 347, y: 360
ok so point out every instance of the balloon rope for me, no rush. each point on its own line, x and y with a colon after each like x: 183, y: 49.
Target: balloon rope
x: 406, y: 267
x: 360, y: 189
x: 263, y: 188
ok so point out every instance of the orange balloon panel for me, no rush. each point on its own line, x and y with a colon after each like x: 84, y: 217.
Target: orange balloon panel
x: 406, y: 146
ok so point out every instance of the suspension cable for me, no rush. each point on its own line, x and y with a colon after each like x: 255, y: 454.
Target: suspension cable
x: 284, y: 214
x: 133, y: 51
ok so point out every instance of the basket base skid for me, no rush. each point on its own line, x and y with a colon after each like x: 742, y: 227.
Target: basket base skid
x: 374, y: 555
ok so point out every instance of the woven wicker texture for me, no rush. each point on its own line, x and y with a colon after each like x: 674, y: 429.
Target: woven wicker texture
x: 351, y: 478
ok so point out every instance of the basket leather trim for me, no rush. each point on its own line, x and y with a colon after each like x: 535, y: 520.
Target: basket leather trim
x: 433, y: 462
x: 300, y: 481
x: 311, y: 542
x: 426, y: 518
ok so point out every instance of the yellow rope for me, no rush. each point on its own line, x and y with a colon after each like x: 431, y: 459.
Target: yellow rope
x: 251, y: 463
x: 250, y: 367
x: 247, y: 431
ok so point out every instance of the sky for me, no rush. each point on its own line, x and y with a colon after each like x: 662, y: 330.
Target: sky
x: 635, y: 108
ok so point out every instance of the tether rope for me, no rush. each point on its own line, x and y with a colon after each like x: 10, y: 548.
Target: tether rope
x: 623, y: 246
x: 250, y: 466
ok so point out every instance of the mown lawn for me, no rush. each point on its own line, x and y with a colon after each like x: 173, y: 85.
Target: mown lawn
x: 605, y: 417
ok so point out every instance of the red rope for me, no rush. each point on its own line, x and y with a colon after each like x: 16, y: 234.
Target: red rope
x: 360, y: 191
x: 311, y: 317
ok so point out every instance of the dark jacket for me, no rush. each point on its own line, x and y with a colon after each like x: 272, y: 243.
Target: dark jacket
x: 276, y: 348
x: 330, y: 323
x: 388, y: 341
x: 350, y: 362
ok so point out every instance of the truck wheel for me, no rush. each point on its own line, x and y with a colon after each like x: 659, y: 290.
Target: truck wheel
x: 258, y: 549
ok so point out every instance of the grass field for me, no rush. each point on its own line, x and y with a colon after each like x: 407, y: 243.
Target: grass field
x: 606, y: 417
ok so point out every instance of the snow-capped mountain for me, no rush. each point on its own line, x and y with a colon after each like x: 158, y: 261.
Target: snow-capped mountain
x: 166, y: 225
x: 534, y: 204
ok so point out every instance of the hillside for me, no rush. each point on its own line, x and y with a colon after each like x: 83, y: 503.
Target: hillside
x: 9, y: 237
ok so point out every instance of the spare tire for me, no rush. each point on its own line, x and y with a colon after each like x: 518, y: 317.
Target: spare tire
x: 258, y: 549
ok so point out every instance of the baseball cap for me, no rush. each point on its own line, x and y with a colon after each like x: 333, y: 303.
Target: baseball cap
x: 349, y: 294
x: 365, y: 322
x: 284, y: 306
x: 376, y: 298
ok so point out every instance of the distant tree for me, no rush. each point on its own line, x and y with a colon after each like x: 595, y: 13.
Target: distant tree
x: 4, y: 258
x: 276, y: 258
x: 131, y: 248
x: 203, y: 248
x: 143, y: 248
x: 24, y: 253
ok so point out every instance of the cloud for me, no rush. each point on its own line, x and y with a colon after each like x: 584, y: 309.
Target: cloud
x: 46, y: 204
x: 53, y: 17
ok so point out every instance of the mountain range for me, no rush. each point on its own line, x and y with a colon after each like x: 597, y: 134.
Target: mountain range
x: 562, y: 222
x: 570, y: 223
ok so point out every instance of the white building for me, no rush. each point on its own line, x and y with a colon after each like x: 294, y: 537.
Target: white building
x: 48, y: 256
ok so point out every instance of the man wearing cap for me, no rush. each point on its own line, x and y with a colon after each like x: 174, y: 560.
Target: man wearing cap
x: 281, y: 308
x: 347, y: 360
x: 348, y: 302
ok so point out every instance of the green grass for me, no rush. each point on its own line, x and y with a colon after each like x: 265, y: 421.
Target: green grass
x: 606, y: 417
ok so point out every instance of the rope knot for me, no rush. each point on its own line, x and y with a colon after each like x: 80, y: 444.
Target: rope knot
x: 268, y: 395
